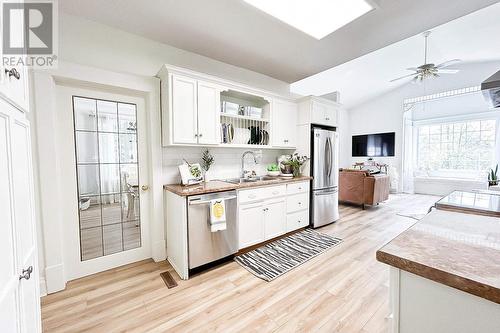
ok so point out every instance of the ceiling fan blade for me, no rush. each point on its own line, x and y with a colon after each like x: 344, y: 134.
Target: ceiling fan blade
x: 415, y: 69
x: 403, y: 77
x: 448, y: 63
x: 448, y: 71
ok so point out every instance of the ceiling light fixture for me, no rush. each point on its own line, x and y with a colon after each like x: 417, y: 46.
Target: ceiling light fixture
x: 317, y: 18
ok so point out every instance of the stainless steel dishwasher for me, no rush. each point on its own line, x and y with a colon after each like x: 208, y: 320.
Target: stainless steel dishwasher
x: 205, y: 246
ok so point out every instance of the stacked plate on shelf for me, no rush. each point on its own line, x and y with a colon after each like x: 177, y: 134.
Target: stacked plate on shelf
x: 227, y: 133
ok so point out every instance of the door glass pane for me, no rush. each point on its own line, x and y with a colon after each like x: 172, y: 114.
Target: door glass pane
x: 108, y: 148
x: 127, y: 118
x: 85, y: 114
x: 90, y: 212
x: 112, y: 236
x: 91, y: 243
x: 88, y: 179
x: 128, y: 148
x: 108, y: 180
x: 107, y: 116
x: 86, y: 147
x: 111, y: 209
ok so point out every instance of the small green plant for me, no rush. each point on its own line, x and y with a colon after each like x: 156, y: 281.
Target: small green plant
x: 273, y: 167
x: 207, y: 160
x: 493, y: 176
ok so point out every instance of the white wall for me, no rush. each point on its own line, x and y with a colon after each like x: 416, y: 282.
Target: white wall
x: 91, y: 44
x: 227, y: 161
x: 385, y: 113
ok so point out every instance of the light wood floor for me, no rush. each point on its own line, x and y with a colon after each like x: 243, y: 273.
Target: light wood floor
x: 342, y: 290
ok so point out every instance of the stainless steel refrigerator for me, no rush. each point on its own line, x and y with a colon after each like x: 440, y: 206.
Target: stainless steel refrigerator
x: 324, y: 169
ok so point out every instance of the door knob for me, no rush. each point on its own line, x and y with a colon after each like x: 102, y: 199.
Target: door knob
x: 145, y: 187
x: 26, y: 273
x: 13, y: 72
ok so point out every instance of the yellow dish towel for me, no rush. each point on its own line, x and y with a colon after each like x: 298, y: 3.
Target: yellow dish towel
x: 217, y: 215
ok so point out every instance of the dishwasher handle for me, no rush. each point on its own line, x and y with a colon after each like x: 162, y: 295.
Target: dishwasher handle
x: 206, y: 202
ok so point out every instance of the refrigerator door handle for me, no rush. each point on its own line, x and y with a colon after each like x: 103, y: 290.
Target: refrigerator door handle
x: 329, y: 157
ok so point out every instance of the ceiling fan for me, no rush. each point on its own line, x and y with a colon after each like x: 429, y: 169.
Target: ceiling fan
x: 426, y: 70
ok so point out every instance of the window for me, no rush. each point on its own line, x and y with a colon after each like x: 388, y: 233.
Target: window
x: 462, y: 146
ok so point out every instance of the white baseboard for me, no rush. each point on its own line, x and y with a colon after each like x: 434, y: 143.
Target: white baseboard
x: 43, y: 287
x: 159, y: 251
x: 54, y: 278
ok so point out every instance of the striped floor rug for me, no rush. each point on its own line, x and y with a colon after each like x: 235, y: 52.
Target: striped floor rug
x: 275, y: 259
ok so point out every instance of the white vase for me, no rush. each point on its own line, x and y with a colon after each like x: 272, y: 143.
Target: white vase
x: 208, y: 176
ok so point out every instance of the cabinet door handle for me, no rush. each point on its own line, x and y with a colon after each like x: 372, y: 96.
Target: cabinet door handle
x: 13, y: 72
x: 196, y: 135
x: 327, y: 118
x: 200, y: 135
x: 300, y: 203
x: 26, y: 274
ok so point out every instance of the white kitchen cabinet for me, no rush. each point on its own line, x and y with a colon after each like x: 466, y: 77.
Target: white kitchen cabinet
x: 251, y: 224
x: 271, y: 211
x: 184, y: 110
x: 324, y: 114
x: 297, y: 220
x: 195, y: 111
x: 208, y: 113
x: 284, y: 123
x: 316, y: 110
x: 274, y: 218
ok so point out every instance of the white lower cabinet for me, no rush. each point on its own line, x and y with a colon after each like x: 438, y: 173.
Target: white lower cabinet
x: 297, y: 220
x: 251, y: 224
x: 274, y: 218
x: 268, y: 212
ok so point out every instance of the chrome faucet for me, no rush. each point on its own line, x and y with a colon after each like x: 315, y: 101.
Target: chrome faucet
x: 243, y: 161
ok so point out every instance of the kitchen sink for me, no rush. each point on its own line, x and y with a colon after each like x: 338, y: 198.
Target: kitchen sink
x: 249, y: 180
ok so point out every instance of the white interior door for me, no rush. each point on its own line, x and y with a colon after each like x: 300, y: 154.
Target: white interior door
x: 19, y: 286
x: 105, y: 175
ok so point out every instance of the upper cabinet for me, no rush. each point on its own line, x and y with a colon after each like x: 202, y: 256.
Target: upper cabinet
x: 316, y: 110
x: 194, y: 107
x: 184, y: 112
x: 208, y: 113
x: 199, y: 109
x: 284, y: 121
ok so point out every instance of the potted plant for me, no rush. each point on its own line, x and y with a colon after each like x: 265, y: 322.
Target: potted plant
x: 493, y: 176
x: 207, y: 160
x: 295, y: 163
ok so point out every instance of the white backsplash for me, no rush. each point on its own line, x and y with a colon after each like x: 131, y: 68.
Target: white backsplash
x: 227, y: 161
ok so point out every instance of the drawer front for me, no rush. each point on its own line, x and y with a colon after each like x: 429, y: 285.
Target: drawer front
x: 261, y: 193
x: 295, y: 188
x: 297, y: 220
x: 297, y: 202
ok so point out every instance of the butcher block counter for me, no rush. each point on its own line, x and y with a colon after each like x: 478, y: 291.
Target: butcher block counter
x: 445, y: 274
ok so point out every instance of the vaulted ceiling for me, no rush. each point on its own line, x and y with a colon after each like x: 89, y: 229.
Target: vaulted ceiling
x: 236, y: 33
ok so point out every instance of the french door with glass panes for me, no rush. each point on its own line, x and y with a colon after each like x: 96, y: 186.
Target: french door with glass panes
x: 109, y: 201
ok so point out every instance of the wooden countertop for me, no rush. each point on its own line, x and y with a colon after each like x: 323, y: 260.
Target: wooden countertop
x: 456, y: 249
x: 220, y: 186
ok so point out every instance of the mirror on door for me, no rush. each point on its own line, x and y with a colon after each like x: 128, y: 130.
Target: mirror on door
x: 108, y: 176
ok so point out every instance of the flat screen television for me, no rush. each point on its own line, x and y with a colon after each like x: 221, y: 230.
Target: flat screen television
x: 373, y: 145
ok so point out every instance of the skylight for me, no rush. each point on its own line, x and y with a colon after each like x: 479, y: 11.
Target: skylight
x: 317, y: 18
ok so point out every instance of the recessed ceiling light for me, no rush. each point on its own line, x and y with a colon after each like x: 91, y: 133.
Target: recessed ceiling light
x: 317, y: 18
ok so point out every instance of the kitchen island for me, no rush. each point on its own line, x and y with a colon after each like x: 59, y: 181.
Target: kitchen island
x: 256, y: 212
x: 445, y: 274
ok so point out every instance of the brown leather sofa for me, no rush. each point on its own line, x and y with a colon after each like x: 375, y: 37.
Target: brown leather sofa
x: 360, y: 188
